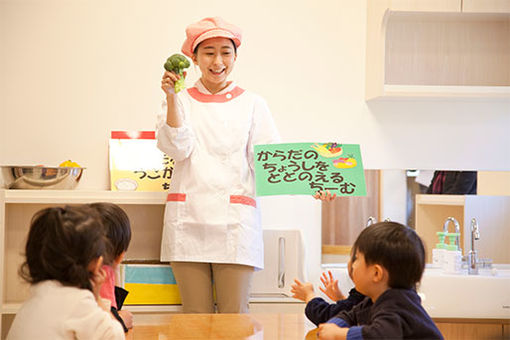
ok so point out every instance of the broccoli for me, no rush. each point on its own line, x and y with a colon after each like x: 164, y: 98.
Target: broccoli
x: 177, y: 63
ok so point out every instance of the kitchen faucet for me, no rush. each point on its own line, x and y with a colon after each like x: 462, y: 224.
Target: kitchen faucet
x: 472, y: 257
x: 371, y: 220
x: 457, y: 229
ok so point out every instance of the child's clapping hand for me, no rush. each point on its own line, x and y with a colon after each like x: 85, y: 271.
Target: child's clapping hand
x: 302, y: 291
x: 331, y: 287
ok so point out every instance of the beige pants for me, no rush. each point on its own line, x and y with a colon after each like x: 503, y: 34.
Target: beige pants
x: 232, y: 284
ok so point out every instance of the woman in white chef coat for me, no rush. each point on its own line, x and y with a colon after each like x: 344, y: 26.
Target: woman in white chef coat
x: 212, y: 231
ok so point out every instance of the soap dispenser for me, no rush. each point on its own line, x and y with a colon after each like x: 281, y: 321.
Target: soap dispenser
x: 438, y: 253
x: 452, y: 261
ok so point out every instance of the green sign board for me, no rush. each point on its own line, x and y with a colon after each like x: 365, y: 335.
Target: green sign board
x: 305, y: 168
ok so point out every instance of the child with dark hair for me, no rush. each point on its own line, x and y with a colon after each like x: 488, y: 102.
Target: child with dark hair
x: 388, y: 262
x: 117, y: 229
x: 64, y: 255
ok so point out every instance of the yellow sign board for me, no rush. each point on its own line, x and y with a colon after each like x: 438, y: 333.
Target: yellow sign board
x: 136, y: 163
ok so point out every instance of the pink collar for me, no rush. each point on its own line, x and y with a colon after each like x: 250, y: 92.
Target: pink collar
x: 215, y: 98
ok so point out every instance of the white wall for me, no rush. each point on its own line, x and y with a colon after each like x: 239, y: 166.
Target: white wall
x: 73, y: 70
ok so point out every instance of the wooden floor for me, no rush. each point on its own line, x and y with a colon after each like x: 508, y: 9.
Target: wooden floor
x: 222, y: 327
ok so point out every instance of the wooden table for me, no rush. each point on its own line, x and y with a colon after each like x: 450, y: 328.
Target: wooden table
x: 222, y: 327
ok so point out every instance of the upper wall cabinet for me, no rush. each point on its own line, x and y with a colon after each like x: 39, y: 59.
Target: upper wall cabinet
x: 423, y: 5
x: 486, y: 6
x: 438, y: 48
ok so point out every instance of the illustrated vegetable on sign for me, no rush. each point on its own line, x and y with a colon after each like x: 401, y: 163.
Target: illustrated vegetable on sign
x: 345, y: 162
x: 177, y: 63
x: 328, y: 150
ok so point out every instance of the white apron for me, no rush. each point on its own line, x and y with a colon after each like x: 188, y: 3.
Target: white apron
x: 211, y: 211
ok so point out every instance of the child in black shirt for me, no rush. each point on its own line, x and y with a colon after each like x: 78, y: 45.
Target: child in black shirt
x: 388, y: 261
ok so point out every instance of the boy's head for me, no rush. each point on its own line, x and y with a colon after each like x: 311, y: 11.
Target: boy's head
x: 117, y: 227
x: 395, y: 247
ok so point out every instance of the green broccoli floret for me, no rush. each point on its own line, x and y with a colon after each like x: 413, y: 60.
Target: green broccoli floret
x: 177, y: 63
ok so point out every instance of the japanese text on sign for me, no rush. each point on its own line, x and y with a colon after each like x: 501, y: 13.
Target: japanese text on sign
x: 305, y: 168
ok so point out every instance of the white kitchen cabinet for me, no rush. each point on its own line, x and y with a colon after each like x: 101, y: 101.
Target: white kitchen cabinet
x: 425, y: 6
x: 465, y: 6
x: 486, y: 6
x: 491, y: 212
x: 436, y: 49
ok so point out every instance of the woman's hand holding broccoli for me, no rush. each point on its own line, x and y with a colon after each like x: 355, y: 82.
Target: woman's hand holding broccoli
x: 168, y: 82
x: 173, y: 78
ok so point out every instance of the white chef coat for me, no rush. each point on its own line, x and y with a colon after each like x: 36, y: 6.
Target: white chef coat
x: 57, y: 312
x: 211, y: 211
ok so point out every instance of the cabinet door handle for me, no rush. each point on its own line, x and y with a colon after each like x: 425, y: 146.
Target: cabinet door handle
x: 281, y: 262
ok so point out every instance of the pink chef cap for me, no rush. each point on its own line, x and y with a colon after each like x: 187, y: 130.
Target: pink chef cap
x: 209, y: 28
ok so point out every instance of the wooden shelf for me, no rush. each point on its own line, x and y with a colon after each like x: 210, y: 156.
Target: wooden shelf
x: 407, y: 92
x: 457, y: 200
x: 145, y: 210
x: 438, y: 50
x: 10, y: 308
x: 79, y: 197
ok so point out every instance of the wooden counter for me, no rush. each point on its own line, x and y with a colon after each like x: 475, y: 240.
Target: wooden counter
x: 222, y: 327
x: 281, y: 326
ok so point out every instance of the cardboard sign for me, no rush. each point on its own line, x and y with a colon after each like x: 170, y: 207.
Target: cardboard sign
x: 305, y: 168
x: 136, y: 163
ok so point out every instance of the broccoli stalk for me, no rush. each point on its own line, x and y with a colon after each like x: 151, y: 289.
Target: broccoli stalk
x: 177, y: 63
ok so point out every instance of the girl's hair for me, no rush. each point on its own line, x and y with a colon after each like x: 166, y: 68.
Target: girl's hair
x: 61, y: 244
x: 233, y: 44
x: 116, y: 227
x: 395, y: 247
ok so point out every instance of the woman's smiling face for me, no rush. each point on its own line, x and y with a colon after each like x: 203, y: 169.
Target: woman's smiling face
x: 215, y: 57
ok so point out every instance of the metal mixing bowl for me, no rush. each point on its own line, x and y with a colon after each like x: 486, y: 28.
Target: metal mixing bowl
x: 40, y: 177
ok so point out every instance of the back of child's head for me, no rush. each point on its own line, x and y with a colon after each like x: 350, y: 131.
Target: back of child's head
x: 116, y: 225
x: 395, y: 247
x: 61, y: 244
